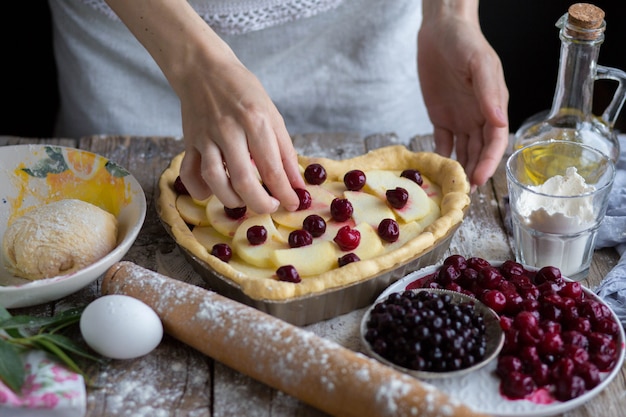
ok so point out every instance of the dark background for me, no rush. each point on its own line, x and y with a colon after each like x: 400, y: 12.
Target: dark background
x: 521, y: 31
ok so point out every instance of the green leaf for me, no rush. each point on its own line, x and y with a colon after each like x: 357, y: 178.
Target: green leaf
x: 54, y: 164
x: 49, y: 346
x: 116, y: 170
x: 12, y: 370
x: 68, y: 345
x: 30, y: 322
x: 4, y: 313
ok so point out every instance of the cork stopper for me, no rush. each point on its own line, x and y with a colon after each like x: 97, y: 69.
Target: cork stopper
x: 586, y: 16
x: 585, y: 21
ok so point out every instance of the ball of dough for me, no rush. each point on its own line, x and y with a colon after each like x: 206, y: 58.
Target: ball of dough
x: 58, y: 238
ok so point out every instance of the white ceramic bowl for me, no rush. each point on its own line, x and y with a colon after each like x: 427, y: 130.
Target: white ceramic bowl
x: 480, y: 389
x: 32, y: 175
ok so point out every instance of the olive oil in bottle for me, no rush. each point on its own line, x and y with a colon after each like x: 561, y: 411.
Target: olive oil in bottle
x: 570, y: 117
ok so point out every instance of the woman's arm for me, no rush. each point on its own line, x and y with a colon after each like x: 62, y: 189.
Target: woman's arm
x: 227, y: 116
x: 463, y: 86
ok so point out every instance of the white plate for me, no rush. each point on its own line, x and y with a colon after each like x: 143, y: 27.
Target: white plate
x: 58, y: 172
x: 480, y: 389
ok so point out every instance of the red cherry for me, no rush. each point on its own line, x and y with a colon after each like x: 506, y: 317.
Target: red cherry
x: 495, y: 300
x: 477, y: 263
x: 572, y: 290
x: 256, y: 235
x: 235, y: 213
x: 315, y: 174
x: 414, y: 175
x: 288, y: 273
x: 397, y: 197
x: 222, y: 251
x: 341, y: 209
x: 314, y: 224
x: 305, y: 198
x: 457, y: 260
x: 548, y: 274
x: 347, y: 259
x: 568, y: 388
x: 489, y: 277
x: 511, y: 268
x: 354, y: 180
x: 388, y: 230
x: 179, y: 187
x: 508, y: 364
x: 348, y: 239
x: 299, y: 238
x: 518, y: 385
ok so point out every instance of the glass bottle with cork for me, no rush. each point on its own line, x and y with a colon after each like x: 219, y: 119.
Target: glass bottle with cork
x: 570, y: 117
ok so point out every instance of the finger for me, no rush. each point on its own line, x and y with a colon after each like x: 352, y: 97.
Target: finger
x: 243, y: 176
x: 289, y: 158
x: 444, y: 141
x: 461, y: 146
x: 216, y: 175
x: 190, y: 175
x: 268, y: 157
x: 492, y: 93
x: 496, y: 142
x: 473, y: 154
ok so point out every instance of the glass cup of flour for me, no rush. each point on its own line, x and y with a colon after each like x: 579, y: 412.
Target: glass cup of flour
x: 558, y: 195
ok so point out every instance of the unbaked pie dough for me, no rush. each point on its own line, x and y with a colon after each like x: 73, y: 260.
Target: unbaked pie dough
x: 58, y: 238
x: 198, y: 225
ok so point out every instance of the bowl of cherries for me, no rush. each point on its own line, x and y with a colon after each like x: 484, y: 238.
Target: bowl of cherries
x: 561, y: 343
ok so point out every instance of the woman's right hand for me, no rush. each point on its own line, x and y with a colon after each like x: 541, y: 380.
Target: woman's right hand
x: 235, y: 139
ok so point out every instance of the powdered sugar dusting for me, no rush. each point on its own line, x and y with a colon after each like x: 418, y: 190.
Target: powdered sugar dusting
x: 284, y: 356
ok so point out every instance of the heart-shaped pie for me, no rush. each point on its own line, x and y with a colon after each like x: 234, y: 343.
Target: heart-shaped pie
x: 359, y: 217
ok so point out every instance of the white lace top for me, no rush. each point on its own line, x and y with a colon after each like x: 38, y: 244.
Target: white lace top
x: 232, y: 17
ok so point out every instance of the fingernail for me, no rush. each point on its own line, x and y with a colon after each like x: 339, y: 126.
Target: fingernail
x: 275, y: 204
x: 500, y: 114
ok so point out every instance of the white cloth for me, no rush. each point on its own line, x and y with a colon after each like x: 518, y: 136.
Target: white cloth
x: 612, y: 233
x: 350, y: 68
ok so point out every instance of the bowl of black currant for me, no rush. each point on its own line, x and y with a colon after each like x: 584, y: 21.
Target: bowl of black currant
x: 431, y: 332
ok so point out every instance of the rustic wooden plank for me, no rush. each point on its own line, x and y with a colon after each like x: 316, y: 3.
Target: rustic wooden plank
x: 179, y: 381
x: 16, y: 140
x: 138, y: 387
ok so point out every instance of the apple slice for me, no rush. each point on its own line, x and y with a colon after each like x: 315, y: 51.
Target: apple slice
x: 258, y: 255
x: 433, y: 214
x: 308, y: 260
x: 370, y: 245
x: 320, y: 205
x: 408, y: 231
x: 379, y: 181
x: 190, y: 211
x: 368, y: 208
x: 336, y: 188
x: 208, y: 237
x: 220, y: 221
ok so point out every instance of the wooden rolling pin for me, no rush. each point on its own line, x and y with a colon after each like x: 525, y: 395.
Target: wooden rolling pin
x: 315, y: 370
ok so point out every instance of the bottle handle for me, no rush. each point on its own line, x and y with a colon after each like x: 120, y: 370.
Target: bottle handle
x: 612, y: 110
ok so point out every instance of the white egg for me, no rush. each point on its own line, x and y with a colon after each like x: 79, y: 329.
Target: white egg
x: 121, y: 327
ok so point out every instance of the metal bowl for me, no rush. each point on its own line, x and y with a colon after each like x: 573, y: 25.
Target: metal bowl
x: 493, y: 333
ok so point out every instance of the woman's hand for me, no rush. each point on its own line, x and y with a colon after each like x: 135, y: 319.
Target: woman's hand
x: 463, y: 87
x: 235, y: 139
x: 232, y: 129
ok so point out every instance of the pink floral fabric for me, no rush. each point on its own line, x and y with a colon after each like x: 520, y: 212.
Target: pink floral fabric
x: 50, y: 390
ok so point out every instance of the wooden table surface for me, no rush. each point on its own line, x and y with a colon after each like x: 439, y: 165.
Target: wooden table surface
x: 176, y: 380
